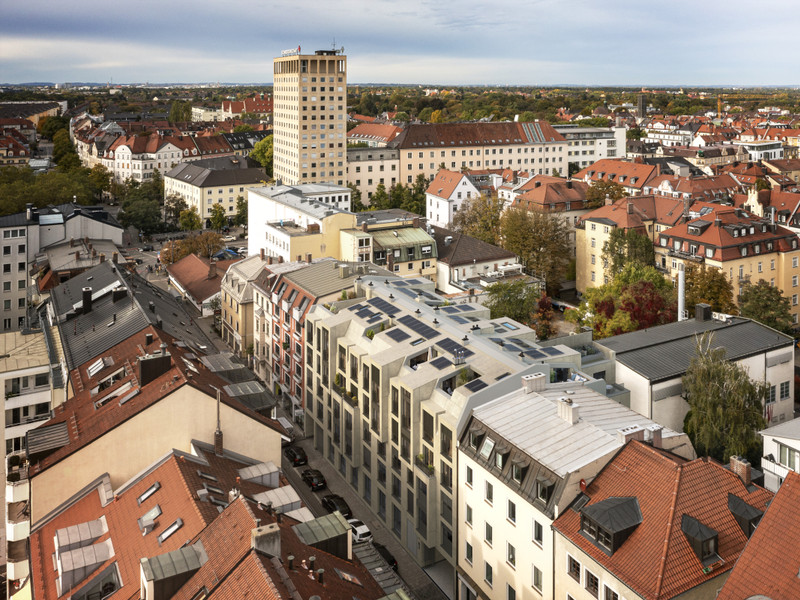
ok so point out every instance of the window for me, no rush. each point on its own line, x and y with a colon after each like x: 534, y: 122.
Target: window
x: 544, y: 489
x: 511, y: 512
x: 574, y: 568
x: 468, y: 512
x: 489, y: 495
x: 537, y: 579
x: 537, y: 532
x: 511, y: 593
x: 610, y: 594
x: 487, y: 447
x: 771, y: 398
x: 487, y: 533
x: 511, y: 555
x: 469, y: 476
x: 592, y: 584
x: 784, y: 390
x: 487, y: 573
x: 169, y: 531
x: 468, y: 552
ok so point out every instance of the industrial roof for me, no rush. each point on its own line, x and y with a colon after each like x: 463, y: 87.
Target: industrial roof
x: 323, y: 278
x: 664, y: 352
x: 20, y: 350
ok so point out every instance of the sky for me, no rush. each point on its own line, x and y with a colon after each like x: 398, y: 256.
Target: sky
x: 427, y: 42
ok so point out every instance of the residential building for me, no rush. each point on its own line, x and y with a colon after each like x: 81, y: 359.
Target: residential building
x: 713, y: 188
x: 259, y: 105
x: 23, y: 126
x: 26, y: 234
x: 762, y: 149
x: 137, y: 157
x: 653, y: 525
x: 744, y: 247
x: 310, y: 122
x: 374, y: 135
x: 291, y: 221
x: 206, y: 114
x: 535, y: 147
x: 589, y: 144
x: 204, y: 183
x: 467, y: 263
x: 32, y: 110
x: 244, y: 141
x: 656, y: 383
x: 367, y: 168
x: 64, y: 260
x: 788, y: 167
x: 12, y: 152
x: 448, y: 192
x: 236, y: 293
x: 633, y: 176
x: 765, y: 569
x: 781, y: 453
x: 522, y: 459
x: 198, y: 280
x: 390, y: 376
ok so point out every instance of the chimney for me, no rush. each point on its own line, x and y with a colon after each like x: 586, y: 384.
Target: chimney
x: 212, y: 269
x: 630, y: 207
x: 29, y: 211
x: 280, y: 259
x: 71, y: 242
x: 102, y: 257
x: 152, y: 306
x: 568, y: 410
x: 741, y: 466
x: 320, y: 575
x: 267, y: 540
x: 656, y: 431
x: 115, y: 258
x: 364, y: 226
x: 569, y: 184
x: 308, y: 257
x: 262, y: 254
x: 537, y: 184
x: 148, y: 339
x: 153, y: 367
x: 290, y: 558
x: 77, y: 254
x: 86, y: 240
x: 632, y: 432
x: 218, y: 445
x: 312, y: 560
x: 415, y: 222
x: 702, y: 312
x: 717, y: 222
x: 87, y: 300
x: 535, y: 382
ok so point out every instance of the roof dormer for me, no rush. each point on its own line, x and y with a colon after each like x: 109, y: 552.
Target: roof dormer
x: 703, y: 540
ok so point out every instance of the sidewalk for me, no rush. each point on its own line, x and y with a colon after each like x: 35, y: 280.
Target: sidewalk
x: 417, y: 580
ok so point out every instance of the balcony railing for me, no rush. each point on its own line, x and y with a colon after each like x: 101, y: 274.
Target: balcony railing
x: 28, y: 420
x: 419, y: 460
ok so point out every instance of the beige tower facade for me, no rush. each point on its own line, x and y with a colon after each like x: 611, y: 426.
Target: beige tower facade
x: 310, y: 122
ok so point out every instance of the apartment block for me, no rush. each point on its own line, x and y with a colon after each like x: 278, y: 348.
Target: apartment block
x: 367, y: 168
x: 589, y: 144
x: 310, y: 117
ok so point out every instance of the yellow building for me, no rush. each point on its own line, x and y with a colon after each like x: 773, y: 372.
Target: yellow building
x: 744, y: 247
x: 309, y: 111
x: 236, y: 293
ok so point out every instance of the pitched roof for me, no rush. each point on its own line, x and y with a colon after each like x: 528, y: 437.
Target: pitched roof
x: 767, y: 568
x: 441, y: 135
x: 382, y: 132
x: 445, y: 183
x: 629, y: 174
x: 464, y: 249
x: 657, y: 561
x: 543, y: 191
x: 192, y: 274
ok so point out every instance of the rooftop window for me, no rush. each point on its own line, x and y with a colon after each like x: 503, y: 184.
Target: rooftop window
x: 149, y: 492
x: 169, y: 531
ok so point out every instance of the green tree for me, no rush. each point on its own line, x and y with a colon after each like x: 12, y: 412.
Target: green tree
x: 762, y: 184
x: 625, y: 247
x: 766, y: 304
x: 180, y: 112
x: 597, y: 192
x: 356, y: 205
x: 262, y: 152
x: 541, y: 240
x: 437, y: 116
x: 725, y: 405
x: 142, y: 213
x: 709, y: 285
x: 543, y: 318
x: 206, y: 244
x: 190, y: 220
x: 100, y: 178
x: 479, y: 217
x: 380, y: 198
x: 415, y: 201
x: 244, y: 128
x: 218, y: 218
x: 514, y: 300
x: 241, y: 211
x: 402, y: 116
x: 425, y: 114
x: 49, y: 126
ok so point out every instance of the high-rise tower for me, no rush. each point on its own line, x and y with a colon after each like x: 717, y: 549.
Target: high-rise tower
x: 310, y: 117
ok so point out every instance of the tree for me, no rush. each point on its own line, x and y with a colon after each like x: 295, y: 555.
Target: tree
x: 174, y: 205
x: 190, y: 220
x: 541, y: 240
x: 241, y: 211
x: 543, y: 318
x: 262, y: 152
x: 244, y: 128
x: 142, y: 213
x: 356, y: 205
x: 380, y: 199
x: 709, y: 285
x: 625, y: 247
x: 479, y: 217
x: 171, y: 252
x: 415, y: 201
x: 514, y: 300
x: 180, y: 112
x: 100, y: 178
x: 597, y: 192
x: 49, y: 126
x: 725, y: 405
x: 766, y: 304
x: 218, y: 218
x: 206, y: 244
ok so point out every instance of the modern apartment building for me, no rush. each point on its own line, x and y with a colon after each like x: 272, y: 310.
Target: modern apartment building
x: 389, y: 377
x: 310, y: 117
x: 781, y: 454
x: 522, y: 459
x: 589, y: 144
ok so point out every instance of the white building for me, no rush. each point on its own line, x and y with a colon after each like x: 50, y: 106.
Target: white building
x: 136, y: 157
x: 762, y: 149
x: 781, y: 453
x: 522, y: 459
x: 586, y: 145
x: 446, y: 194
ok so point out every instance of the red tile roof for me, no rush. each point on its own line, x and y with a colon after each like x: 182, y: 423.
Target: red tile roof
x: 373, y: 131
x: 769, y: 565
x: 445, y: 183
x: 636, y: 211
x: 656, y: 561
x: 551, y: 191
x: 628, y: 174
x: 192, y: 274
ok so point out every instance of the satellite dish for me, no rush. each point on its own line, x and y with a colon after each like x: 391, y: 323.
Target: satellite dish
x: 583, y: 485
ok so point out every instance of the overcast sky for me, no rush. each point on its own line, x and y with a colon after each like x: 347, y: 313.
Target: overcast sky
x: 445, y: 42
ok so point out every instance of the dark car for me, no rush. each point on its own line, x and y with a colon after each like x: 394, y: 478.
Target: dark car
x: 334, y: 502
x: 296, y: 455
x: 386, y: 555
x: 138, y: 261
x: 147, y: 248
x: 313, y: 479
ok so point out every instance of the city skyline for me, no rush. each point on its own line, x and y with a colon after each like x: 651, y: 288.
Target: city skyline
x: 446, y: 43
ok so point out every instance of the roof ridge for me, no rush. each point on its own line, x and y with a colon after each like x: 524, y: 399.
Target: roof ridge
x: 670, y: 527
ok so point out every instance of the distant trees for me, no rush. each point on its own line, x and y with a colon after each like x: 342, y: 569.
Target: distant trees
x: 240, y: 218
x: 626, y: 247
x: 725, y: 405
x: 709, y: 285
x: 180, y: 112
x: 597, y: 192
x: 766, y: 304
x: 19, y: 186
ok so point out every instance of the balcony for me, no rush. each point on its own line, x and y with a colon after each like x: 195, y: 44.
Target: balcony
x: 27, y: 397
x: 345, y: 395
x: 419, y: 460
x: 770, y: 466
x: 18, y: 526
x: 18, y: 566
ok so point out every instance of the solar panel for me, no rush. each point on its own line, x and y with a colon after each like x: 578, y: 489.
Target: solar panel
x: 450, y: 309
x: 408, y: 292
x: 441, y: 363
x: 400, y: 283
x: 356, y: 307
x: 550, y: 351
x: 454, y: 348
x: 458, y: 319
x: 398, y: 335
x: 466, y: 307
x: 535, y: 354
x: 374, y: 318
x: 384, y: 306
x: 364, y: 313
x: 419, y: 327
x: 474, y: 386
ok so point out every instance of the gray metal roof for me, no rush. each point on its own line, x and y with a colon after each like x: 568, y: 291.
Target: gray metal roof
x: 322, y: 528
x: 615, y: 514
x: 323, y: 278
x: 665, y: 351
x: 47, y: 437
x: 183, y: 560
x: 302, y: 197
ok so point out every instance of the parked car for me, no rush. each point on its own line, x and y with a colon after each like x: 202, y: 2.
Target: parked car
x: 334, y: 502
x: 147, y: 248
x: 296, y: 455
x: 361, y: 532
x: 228, y: 238
x: 313, y: 479
x: 386, y: 555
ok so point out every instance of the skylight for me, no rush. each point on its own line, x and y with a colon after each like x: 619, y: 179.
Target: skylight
x: 169, y: 531
x: 149, y: 492
x: 208, y: 476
